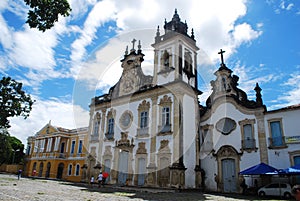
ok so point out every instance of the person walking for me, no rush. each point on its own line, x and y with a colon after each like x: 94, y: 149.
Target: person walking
x: 19, y: 174
x: 296, y: 192
x: 92, y: 181
x: 100, y: 178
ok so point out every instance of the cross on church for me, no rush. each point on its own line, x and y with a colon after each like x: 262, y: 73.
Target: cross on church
x: 133, y: 42
x: 221, y: 53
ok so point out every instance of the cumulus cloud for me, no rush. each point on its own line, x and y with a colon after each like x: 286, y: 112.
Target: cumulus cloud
x: 292, y: 96
x: 214, y: 22
x: 102, y: 12
x: 62, y: 113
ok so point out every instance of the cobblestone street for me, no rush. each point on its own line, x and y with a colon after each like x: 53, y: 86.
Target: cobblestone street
x: 48, y: 190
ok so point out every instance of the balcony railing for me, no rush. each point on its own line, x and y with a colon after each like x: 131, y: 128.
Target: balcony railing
x: 94, y: 137
x: 109, y: 136
x: 277, y: 142
x: 165, y: 129
x: 248, y: 144
x: 52, y: 155
x: 143, y: 132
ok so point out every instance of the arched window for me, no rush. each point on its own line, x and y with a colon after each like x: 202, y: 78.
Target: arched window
x: 77, y: 171
x: 70, y: 169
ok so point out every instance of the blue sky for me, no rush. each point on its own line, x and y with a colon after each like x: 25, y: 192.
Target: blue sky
x: 63, y: 68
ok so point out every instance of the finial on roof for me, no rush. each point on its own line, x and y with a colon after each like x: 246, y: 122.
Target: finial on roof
x: 258, y: 94
x: 157, y: 31
x: 192, y: 35
x: 139, y: 45
x: 126, y: 51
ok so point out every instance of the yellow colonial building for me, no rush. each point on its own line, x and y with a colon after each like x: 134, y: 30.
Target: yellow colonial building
x: 56, y: 153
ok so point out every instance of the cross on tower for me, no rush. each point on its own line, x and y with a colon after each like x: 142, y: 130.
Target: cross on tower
x: 133, y: 42
x: 221, y: 53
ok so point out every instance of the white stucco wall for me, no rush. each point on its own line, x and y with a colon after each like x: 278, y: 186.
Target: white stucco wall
x: 189, y: 136
x: 208, y: 162
x: 280, y: 158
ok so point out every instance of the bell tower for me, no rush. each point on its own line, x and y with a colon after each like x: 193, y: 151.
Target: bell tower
x: 175, y: 54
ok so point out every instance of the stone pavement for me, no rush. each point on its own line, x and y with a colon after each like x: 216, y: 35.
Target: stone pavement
x: 12, y: 189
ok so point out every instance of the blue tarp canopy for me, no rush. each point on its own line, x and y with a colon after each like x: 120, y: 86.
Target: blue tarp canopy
x: 261, y: 168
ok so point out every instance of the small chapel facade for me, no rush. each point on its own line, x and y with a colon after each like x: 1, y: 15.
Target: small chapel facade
x: 152, y: 131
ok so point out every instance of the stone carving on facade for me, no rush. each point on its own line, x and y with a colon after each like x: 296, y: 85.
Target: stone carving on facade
x: 107, y: 151
x: 164, y: 147
x: 141, y: 148
x: 124, y: 141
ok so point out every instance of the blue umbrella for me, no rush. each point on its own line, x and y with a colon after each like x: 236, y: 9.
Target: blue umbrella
x: 259, y: 169
x: 293, y: 170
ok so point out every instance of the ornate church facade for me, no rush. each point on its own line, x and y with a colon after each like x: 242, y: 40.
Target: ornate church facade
x: 152, y: 131
x: 143, y: 131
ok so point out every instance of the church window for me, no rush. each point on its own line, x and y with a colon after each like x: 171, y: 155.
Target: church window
x: 165, y: 115
x: 225, y: 125
x: 143, y: 122
x: 188, y: 62
x: 70, y: 169
x: 96, y: 124
x: 144, y: 119
x: 276, y: 139
x: 166, y: 59
x: 110, y: 125
x: 247, y: 134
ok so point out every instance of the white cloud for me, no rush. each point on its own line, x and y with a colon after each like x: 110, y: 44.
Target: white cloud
x: 214, y: 23
x: 102, y: 12
x: 290, y: 6
x: 61, y: 113
x: 30, y: 49
x: 244, y: 33
x: 292, y: 96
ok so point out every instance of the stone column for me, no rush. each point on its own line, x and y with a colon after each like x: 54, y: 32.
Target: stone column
x: 101, y: 137
x: 156, y: 53
x: 177, y: 170
x: 262, y: 140
x: 152, y: 167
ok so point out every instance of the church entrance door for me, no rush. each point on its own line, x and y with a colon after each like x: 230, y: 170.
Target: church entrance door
x: 228, y: 174
x: 142, y: 171
x: 123, y: 167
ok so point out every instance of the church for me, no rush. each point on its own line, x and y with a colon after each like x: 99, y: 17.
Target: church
x: 152, y: 131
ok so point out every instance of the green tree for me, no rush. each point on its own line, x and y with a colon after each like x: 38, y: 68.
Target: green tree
x: 44, y: 13
x: 17, y: 149
x: 5, y: 147
x: 13, y: 101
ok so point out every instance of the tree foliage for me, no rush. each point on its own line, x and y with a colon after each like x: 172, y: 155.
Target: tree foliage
x: 11, y: 149
x: 44, y: 13
x: 5, y: 147
x: 13, y: 101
